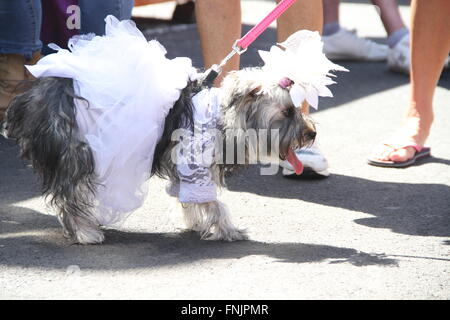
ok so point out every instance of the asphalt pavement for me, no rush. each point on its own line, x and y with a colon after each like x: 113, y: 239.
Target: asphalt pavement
x: 363, y: 233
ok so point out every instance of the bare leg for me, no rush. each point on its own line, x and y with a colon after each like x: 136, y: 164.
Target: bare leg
x: 226, y: 18
x: 330, y: 11
x: 219, y: 26
x: 390, y: 15
x: 430, y: 45
x: 302, y: 15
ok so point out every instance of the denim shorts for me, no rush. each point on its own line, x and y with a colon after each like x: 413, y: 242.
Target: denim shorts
x: 20, y: 26
x: 93, y: 13
x: 21, y: 20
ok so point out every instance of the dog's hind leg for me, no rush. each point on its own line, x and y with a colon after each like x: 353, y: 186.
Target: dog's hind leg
x: 43, y: 121
x: 212, y: 220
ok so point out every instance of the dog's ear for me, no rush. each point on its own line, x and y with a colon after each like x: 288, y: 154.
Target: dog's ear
x: 240, y: 87
x: 255, y: 91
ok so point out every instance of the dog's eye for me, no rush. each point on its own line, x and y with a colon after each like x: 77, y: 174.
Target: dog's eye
x: 289, y: 112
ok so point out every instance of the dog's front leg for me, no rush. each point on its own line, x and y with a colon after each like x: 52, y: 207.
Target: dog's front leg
x: 212, y: 221
x: 198, y: 178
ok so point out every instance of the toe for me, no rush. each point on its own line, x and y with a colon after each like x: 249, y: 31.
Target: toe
x: 402, y: 155
x: 382, y: 152
x: 386, y: 154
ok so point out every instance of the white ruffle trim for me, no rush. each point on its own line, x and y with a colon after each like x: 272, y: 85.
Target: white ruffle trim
x: 131, y: 86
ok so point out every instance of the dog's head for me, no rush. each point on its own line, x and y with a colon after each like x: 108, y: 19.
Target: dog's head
x: 294, y: 72
x: 250, y: 102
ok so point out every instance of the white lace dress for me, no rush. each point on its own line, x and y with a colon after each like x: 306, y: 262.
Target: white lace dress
x: 198, y: 150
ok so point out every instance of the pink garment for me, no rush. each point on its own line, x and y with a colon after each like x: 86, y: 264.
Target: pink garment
x: 54, y: 23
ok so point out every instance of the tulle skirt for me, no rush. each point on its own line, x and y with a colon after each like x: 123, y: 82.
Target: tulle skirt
x: 130, y: 87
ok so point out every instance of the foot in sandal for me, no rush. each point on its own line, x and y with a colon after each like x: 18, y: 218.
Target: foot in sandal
x: 405, y: 148
x: 403, y: 152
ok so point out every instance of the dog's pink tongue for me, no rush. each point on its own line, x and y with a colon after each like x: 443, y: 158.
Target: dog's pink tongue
x: 293, y: 160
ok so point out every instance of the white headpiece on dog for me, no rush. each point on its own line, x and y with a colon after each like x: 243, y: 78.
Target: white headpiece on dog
x: 298, y: 64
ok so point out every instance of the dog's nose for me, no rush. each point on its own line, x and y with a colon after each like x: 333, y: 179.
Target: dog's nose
x: 312, y: 134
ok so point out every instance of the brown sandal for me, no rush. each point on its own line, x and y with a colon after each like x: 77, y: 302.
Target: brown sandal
x: 12, y: 74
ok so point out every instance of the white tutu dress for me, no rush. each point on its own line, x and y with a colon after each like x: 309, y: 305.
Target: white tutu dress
x: 131, y: 86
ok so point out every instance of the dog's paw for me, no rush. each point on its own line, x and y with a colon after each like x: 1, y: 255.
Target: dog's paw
x: 89, y: 236
x: 227, y: 235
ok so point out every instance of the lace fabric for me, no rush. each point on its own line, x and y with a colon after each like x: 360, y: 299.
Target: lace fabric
x: 196, y: 151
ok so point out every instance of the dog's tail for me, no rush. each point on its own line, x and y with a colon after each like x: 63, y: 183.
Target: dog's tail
x: 43, y: 122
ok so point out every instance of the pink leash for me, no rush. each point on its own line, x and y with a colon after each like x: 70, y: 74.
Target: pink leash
x: 241, y: 45
x: 256, y: 31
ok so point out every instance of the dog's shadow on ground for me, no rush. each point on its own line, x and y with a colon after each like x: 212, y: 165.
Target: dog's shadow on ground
x: 405, y: 208
x: 31, y: 239
x: 36, y: 242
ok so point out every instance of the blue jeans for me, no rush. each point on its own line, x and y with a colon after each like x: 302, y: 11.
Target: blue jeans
x: 94, y: 12
x: 21, y: 20
x: 20, y: 26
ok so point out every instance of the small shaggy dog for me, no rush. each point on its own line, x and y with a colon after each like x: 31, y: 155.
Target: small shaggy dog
x: 52, y: 124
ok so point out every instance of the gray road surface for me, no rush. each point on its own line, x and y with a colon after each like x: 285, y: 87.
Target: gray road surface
x: 364, y: 233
